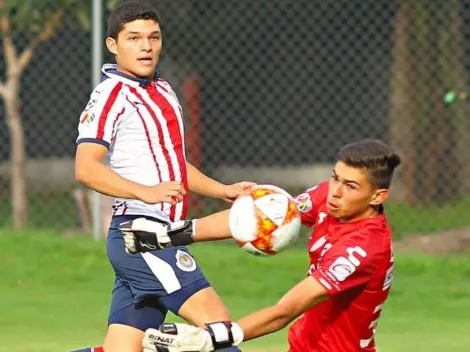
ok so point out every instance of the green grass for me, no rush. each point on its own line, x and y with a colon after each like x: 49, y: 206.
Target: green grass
x: 404, y: 219
x: 55, y: 292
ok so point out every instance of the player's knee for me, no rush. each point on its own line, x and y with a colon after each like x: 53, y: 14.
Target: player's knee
x: 204, y: 307
x: 122, y: 338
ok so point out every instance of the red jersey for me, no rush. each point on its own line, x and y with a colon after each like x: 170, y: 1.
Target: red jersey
x: 353, y: 261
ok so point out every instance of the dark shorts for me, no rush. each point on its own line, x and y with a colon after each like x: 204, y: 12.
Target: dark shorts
x: 147, y: 285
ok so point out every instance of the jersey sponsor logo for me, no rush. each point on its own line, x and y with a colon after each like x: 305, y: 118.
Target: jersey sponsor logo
x: 304, y: 203
x: 341, y: 269
x: 325, y: 249
x: 184, y: 261
x: 344, y: 267
x: 321, y: 217
x: 318, y: 243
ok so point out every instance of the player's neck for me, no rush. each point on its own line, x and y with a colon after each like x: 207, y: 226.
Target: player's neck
x: 130, y: 74
x: 370, y: 212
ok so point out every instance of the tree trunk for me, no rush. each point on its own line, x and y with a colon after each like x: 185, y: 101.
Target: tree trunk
x: 422, y: 129
x: 403, y: 110
x: 10, y: 92
x: 17, y: 152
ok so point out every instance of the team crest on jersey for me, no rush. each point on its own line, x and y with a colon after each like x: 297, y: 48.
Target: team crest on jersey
x: 304, y: 203
x: 184, y: 261
x: 87, y: 117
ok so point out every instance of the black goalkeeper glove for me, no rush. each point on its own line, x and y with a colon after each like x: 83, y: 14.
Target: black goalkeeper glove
x: 143, y: 235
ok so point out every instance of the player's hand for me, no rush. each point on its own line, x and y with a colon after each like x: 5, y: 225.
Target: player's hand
x: 165, y: 192
x: 143, y: 235
x: 232, y: 192
x: 174, y: 337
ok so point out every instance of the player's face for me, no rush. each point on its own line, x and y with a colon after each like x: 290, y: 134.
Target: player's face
x: 350, y: 194
x: 137, y: 48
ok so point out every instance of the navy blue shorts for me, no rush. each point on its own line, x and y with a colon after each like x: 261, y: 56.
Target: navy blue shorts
x: 147, y: 285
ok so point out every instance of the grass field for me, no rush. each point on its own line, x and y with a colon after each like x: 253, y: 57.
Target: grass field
x: 54, y: 294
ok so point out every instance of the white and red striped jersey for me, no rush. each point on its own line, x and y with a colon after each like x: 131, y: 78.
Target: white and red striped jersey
x: 141, y: 124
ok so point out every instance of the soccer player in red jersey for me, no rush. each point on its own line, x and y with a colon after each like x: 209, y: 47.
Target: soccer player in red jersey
x: 351, y: 264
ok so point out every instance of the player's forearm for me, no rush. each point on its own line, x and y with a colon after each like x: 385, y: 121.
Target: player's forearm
x: 202, y: 184
x: 294, y: 303
x: 213, y: 227
x: 102, y: 179
x: 265, y: 321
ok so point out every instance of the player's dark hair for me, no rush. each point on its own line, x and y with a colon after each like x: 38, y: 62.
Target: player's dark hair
x: 129, y: 11
x: 376, y: 158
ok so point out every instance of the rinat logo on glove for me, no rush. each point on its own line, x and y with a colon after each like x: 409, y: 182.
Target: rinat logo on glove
x: 156, y: 339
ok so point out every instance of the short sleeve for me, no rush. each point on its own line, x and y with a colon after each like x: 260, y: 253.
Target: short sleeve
x: 98, y: 119
x: 308, y: 202
x: 346, y: 264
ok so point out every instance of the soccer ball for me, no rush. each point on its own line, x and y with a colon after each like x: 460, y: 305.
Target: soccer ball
x: 264, y: 221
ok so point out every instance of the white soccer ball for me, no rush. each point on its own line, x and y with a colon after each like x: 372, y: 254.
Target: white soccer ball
x: 265, y: 221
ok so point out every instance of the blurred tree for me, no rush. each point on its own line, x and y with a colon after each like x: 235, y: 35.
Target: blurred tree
x: 37, y: 21
x: 428, y: 59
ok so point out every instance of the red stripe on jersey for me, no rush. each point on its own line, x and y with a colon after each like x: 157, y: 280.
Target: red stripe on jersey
x: 116, y: 120
x: 177, y: 141
x: 161, y: 139
x: 107, y: 107
x: 162, y: 86
x: 149, y: 140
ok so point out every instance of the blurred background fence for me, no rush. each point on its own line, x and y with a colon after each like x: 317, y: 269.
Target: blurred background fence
x: 271, y: 89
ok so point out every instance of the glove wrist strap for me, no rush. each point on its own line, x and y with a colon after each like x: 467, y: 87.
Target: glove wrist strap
x: 181, y: 232
x: 224, y: 334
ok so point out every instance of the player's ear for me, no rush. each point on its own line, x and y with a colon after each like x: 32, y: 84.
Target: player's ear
x: 379, y: 196
x: 112, y: 45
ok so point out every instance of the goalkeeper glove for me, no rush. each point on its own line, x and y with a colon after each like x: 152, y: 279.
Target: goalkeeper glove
x: 143, y: 235
x: 175, y: 337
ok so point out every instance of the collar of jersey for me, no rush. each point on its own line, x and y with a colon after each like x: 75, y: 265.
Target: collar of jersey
x: 111, y: 71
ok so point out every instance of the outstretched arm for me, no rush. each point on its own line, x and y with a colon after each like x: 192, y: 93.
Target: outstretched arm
x: 182, y: 337
x: 212, y: 227
x: 299, y: 299
x: 143, y: 235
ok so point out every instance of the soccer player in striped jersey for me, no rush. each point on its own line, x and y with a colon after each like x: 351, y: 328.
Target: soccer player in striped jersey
x: 135, y: 116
